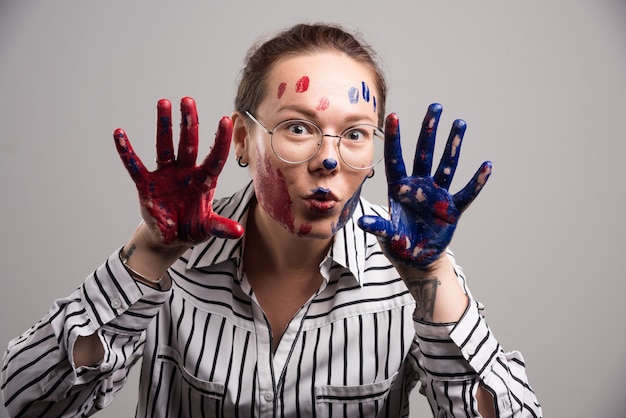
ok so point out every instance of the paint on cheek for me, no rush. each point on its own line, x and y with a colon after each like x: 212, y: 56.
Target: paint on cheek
x: 273, y: 195
x: 281, y: 89
x: 353, y: 95
x: 323, y: 104
x: 302, y: 85
x: 366, y: 91
x: 304, y: 229
x: 374, y: 103
x: 348, y: 210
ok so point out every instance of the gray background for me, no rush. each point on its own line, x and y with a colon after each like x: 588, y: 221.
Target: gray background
x: 540, y: 83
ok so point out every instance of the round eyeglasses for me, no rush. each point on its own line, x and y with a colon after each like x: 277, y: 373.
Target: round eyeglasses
x: 296, y: 141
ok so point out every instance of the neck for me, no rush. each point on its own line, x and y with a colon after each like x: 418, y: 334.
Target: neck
x: 274, y: 250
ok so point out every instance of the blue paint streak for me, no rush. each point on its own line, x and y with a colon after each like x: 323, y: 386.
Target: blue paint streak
x: 366, y: 91
x: 353, y: 95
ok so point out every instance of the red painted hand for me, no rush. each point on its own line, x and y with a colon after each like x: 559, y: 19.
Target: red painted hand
x: 176, y: 198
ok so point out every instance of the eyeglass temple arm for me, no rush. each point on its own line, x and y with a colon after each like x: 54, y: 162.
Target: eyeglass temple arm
x: 255, y: 120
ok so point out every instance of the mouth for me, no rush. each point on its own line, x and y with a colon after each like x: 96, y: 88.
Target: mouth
x: 321, y: 201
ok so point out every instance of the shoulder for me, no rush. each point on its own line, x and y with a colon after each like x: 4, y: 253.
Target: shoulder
x: 365, y: 207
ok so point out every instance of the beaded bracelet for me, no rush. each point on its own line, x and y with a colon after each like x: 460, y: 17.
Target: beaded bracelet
x: 138, y: 275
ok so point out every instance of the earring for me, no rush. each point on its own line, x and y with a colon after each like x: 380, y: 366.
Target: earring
x: 371, y: 174
x: 242, y: 165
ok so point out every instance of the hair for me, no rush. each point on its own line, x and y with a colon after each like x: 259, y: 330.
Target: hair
x: 298, y: 40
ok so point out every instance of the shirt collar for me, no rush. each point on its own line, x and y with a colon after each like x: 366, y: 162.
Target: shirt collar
x: 348, y: 250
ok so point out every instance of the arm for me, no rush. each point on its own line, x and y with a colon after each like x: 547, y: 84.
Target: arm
x: 41, y: 375
x: 77, y: 357
x: 423, y: 218
x: 176, y: 203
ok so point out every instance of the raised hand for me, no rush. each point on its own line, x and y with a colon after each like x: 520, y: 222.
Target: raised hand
x: 424, y: 215
x: 176, y: 198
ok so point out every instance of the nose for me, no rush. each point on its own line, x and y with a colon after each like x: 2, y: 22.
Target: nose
x: 328, y: 152
x: 330, y: 163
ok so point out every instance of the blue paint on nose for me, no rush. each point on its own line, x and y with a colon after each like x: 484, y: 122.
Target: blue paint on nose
x: 330, y: 163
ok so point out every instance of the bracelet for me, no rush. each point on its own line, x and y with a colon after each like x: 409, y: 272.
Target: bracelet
x: 138, y: 275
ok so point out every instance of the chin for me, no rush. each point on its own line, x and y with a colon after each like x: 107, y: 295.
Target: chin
x: 318, y: 229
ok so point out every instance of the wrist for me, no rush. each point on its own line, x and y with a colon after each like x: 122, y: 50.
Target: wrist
x: 438, y: 295
x: 147, y: 260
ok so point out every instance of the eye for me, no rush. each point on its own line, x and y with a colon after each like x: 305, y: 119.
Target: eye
x: 358, y: 134
x: 297, y: 129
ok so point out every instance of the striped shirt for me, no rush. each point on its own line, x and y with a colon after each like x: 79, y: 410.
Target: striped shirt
x: 353, y: 349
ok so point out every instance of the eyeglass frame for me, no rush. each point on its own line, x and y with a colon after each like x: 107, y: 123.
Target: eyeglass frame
x: 377, y: 131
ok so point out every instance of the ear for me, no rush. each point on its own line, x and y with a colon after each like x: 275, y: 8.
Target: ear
x: 240, y: 137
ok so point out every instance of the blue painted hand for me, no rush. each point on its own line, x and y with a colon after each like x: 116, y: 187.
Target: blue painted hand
x: 423, y: 214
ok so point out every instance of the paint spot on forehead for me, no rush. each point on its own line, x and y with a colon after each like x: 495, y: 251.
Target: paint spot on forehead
x: 281, y: 89
x: 302, y: 85
x: 366, y: 91
x: 374, y: 103
x: 353, y: 95
x: 323, y: 104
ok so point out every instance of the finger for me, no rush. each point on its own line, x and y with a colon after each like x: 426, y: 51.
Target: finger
x: 467, y: 195
x: 423, y: 162
x: 133, y: 164
x: 164, y: 143
x: 188, y: 145
x: 214, y: 162
x: 222, y: 227
x: 375, y: 225
x: 450, y: 159
x: 394, y: 163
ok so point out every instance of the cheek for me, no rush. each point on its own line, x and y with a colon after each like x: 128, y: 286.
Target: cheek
x: 273, y: 194
x: 348, y: 209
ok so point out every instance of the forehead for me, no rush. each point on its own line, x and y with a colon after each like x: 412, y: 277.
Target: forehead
x: 322, y: 80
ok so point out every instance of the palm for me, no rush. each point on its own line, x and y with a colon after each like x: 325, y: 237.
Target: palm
x: 423, y: 214
x: 177, y: 197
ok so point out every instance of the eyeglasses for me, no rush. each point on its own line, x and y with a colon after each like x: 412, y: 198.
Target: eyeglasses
x: 296, y: 141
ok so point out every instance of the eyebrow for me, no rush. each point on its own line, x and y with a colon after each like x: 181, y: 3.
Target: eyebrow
x: 311, y: 114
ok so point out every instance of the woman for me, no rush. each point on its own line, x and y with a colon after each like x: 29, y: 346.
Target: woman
x: 322, y: 308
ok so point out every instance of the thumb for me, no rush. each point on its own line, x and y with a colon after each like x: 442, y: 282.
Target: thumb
x: 222, y: 227
x: 375, y: 225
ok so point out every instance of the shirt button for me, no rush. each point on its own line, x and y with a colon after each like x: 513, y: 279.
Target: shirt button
x: 268, y: 396
x: 468, y: 351
x: 115, y: 303
x: 505, y: 404
x: 105, y: 367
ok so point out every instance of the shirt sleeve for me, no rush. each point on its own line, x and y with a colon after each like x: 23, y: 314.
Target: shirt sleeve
x: 454, y: 359
x: 39, y: 377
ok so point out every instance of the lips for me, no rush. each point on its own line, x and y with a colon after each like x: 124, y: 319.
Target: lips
x: 321, y: 201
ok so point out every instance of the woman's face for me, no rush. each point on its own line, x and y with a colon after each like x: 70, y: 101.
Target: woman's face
x: 314, y: 198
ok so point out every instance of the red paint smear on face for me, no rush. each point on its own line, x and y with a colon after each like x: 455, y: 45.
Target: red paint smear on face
x: 273, y: 196
x: 304, y: 229
x: 281, y: 89
x: 323, y: 104
x: 302, y: 85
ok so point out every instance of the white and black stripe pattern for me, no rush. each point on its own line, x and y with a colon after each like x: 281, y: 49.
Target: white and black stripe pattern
x: 352, y: 350
x: 37, y: 376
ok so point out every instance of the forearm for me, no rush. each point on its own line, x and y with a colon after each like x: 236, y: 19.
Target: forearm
x: 87, y: 339
x: 438, y: 295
